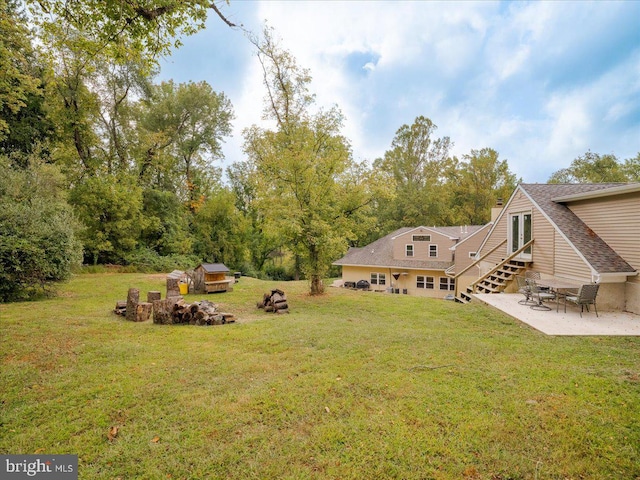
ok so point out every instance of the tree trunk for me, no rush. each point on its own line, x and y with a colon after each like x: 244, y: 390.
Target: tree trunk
x: 133, y: 298
x: 317, y: 287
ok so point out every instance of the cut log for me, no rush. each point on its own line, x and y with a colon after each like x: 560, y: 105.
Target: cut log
x: 153, y: 296
x: 143, y: 311
x: 173, y: 288
x: 133, y: 298
x: 121, y: 308
x: 163, y: 312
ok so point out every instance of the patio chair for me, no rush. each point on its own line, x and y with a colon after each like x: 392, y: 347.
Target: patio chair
x: 586, y: 296
x: 540, y: 295
x: 532, y: 274
x: 524, y: 289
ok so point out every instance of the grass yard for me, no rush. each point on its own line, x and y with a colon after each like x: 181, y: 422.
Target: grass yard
x: 350, y: 385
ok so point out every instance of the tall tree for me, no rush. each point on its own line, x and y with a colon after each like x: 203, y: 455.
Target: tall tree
x: 300, y: 167
x: 480, y: 181
x: 418, y: 166
x: 183, y: 127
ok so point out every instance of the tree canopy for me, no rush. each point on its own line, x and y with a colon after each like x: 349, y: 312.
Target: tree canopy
x: 595, y: 168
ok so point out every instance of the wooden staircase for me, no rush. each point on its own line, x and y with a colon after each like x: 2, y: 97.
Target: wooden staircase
x: 499, y: 277
x: 495, y: 282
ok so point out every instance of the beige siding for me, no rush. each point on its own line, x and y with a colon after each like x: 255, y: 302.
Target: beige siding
x: 470, y: 245
x: 543, y: 254
x: 421, y: 249
x: 569, y: 263
x: 406, y: 281
x: 617, y: 221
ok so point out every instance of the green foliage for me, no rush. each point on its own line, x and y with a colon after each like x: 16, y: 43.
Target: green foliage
x: 595, y: 168
x: 116, y: 29
x: 18, y: 81
x: 220, y: 230
x: 301, y: 168
x: 38, y: 244
x: 166, y: 227
x: 480, y: 180
x: 147, y: 260
x: 111, y: 211
x: 417, y: 166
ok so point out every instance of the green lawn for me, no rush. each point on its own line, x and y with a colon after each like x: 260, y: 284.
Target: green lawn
x: 348, y: 385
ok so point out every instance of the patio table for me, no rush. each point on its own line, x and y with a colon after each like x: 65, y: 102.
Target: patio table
x: 560, y: 286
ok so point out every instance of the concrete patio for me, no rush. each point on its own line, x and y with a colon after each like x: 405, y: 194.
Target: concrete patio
x: 560, y: 323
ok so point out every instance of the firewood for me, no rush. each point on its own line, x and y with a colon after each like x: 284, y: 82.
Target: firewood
x: 120, y: 308
x: 143, y: 311
x: 173, y: 288
x: 162, y: 312
x: 133, y: 298
x: 153, y: 295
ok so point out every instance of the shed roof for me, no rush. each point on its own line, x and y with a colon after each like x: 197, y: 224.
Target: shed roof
x: 214, y: 267
x: 594, y: 250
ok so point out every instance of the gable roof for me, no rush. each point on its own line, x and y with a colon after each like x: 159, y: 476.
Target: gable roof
x: 214, y: 267
x: 454, y: 233
x: 600, y: 256
x: 380, y: 252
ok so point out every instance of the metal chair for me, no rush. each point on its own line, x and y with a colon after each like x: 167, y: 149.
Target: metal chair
x: 524, y: 289
x: 586, y: 296
x: 540, y: 295
x: 532, y: 274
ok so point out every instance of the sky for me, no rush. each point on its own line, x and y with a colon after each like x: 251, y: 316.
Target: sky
x: 539, y: 82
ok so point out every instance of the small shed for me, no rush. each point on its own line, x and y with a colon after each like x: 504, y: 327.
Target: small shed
x: 212, y: 277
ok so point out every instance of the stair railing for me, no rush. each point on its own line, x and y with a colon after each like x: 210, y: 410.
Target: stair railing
x: 501, y: 264
x: 475, y: 263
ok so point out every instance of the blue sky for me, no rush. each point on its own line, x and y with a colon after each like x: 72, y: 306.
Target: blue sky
x: 540, y: 82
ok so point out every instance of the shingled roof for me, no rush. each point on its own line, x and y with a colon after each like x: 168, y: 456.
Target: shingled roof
x: 380, y: 252
x: 601, y: 257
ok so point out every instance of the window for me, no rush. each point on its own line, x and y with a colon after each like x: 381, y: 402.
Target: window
x: 422, y: 238
x: 424, y: 282
x: 472, y: 254
x: 433, y: 251
x: 378, y: 279
x: 447, y: 283
x: 409, y: 250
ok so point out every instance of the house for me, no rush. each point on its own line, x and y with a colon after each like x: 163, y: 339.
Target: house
x: 415, y: 261
x: 583, y: 233
x: 212, y: 277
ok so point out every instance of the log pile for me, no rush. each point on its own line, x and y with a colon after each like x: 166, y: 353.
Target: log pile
x: 275, y: 302
x: 172, y: 310
x: 176, y: 311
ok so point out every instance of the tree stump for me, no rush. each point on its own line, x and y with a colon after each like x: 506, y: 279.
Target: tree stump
x: 143, y: 311
x: 153, y: 296
x: 163, y: 311
x: 133, y: 298
x: 173, y: 288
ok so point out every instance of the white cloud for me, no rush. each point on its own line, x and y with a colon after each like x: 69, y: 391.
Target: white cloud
x: 540, y: 82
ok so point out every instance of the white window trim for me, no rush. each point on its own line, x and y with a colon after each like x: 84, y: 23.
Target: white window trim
x: 406, y: 250
x: 450, y: 283
x: 436, y: 250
